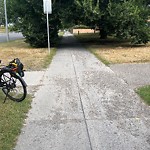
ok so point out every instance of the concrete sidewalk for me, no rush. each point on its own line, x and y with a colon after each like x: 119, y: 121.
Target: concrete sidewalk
x: 83, y: 105
x: 34, y: 80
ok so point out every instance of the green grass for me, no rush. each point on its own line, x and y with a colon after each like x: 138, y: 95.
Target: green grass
x: 49, y: 58
x: 12, y: 115
x: 53, y: 50
x: 144, y: 93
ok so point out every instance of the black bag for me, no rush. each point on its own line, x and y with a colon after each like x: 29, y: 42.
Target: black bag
x: 16, y: 63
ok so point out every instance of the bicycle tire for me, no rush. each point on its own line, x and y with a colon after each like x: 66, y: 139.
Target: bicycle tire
x: 14, y: 86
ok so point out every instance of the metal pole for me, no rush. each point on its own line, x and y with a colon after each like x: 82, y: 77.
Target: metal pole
x: 48, y: 31
x: 6, y: 22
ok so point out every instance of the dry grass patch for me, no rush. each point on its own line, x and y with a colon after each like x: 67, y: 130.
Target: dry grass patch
x: 114, y: 50
x: 2, y: 29
x: 12, y: 114
x: 124, y: 54
x: 32, y: 58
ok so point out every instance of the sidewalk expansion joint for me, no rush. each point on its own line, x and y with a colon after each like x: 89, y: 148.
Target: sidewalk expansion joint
x: 82, y: 107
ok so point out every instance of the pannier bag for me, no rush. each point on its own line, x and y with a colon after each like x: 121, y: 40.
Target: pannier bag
x: 17, y: 66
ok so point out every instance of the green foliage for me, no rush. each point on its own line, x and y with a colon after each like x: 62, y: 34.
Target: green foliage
x: 31, y: 21
x: 12, y: 117
x: 129, y: 20
x: 91, y: 11
x: 126, y: 19
x: 71, y: 14
x: 2, y: 20
x: 80, y: 27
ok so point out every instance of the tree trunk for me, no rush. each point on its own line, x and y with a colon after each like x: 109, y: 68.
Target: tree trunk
x: 103, y: 34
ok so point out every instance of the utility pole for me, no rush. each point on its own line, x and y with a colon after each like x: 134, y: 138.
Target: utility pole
x: 6, y: 22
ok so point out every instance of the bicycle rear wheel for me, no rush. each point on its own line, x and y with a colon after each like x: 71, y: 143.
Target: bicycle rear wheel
x: 13, y: 86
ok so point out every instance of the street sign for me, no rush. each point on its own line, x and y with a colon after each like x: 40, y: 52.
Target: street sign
x: 47, y: 5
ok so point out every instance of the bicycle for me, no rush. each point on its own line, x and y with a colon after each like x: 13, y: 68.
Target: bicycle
x: 11, y: 81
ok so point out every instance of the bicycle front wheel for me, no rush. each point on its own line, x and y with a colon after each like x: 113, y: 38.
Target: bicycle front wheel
x: 13, y: 86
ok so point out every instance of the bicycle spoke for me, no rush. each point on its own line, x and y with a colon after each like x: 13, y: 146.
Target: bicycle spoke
x: 13, y: 86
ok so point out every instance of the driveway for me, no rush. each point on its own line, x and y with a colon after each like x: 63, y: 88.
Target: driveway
x: 135, y: 75
x: 83, y: 105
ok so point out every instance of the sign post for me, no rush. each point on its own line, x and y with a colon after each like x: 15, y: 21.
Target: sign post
x: 47, y: 5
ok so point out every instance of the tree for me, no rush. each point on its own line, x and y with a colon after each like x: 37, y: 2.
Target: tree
x: 95, y: 12
x: 122, y: 18
x: 2, y: 16
x: 68, y: 13
x: 29, y: 19
x: 130, y: 20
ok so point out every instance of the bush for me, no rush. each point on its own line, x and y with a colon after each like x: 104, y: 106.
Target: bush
x: 31, y: 21
x: 37, y: 36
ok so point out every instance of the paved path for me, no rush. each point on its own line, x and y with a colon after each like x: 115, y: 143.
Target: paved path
x: 83, y: 105
x: 34, y: 80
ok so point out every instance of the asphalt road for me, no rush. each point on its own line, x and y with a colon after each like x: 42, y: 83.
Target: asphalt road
x: 83, y: 105
x: 135, y: 75
x: 12, y: 36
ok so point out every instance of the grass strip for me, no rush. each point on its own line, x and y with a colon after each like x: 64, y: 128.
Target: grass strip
x: 113, y: 50
x: 87, y: 40
x: 49, y: 57
x: 12, y: 115
x: 144, y: 93
x: 103, y: 60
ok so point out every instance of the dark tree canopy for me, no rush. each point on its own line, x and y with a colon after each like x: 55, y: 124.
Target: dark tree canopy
x: 121, y: 18
x: 2, y: 20
x: 126, y: 19
x: 29, y: 19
